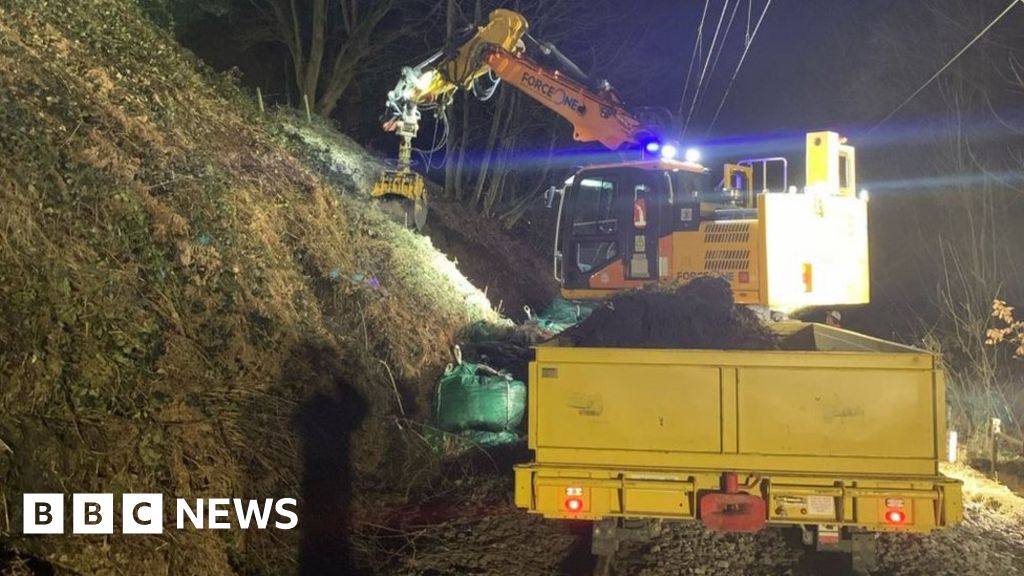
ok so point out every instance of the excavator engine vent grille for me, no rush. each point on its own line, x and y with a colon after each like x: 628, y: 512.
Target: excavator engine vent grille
x: 727, y: 232
x: 725, y: 260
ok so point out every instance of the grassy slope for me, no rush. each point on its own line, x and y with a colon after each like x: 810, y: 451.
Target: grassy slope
x: 513, y: 273
x: 185, y: 307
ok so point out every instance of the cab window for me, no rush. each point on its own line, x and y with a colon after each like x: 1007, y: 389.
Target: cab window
x: 592, y: 254
x: 595, y: 208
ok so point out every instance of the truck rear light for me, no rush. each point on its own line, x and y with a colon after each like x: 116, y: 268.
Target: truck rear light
x: 895, y: 516
x: 744, y: 277
x: 574, y: 501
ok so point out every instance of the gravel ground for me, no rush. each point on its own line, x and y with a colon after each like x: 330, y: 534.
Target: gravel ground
x: 987, y: 542
x: 689, y: 549
x: 511, y: 543
x: 990, y: 541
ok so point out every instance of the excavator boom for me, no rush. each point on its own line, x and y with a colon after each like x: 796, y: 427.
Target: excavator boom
x: 595, y: 116
x: 497, y: 49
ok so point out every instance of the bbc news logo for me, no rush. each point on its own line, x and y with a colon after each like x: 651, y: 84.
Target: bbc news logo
x: 144, y: 513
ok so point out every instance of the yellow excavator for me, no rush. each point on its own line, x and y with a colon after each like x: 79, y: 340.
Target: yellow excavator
x: 658, y: 218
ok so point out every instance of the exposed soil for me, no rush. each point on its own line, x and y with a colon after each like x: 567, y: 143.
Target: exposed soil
x: 513, y: 273
x: 698, y: 314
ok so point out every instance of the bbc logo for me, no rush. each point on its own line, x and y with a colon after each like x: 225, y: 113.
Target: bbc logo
x: 144, y: 513
x: 93, y: 514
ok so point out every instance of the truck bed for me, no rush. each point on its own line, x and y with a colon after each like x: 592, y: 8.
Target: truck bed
x: 831, y: 400
x: 833, y: 413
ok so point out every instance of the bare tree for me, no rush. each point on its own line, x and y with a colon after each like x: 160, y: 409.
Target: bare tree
x: 974, y: 242
x: 329, y: 41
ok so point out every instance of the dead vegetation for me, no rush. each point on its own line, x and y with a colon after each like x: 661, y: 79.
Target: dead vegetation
x: 186, y: 307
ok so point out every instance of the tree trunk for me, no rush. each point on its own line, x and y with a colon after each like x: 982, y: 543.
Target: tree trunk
x: 347, y: 61
x: 298, y: 54
x: 325, y: 85
x: 492, y: 138
x: 311, y: 74
x: 494, y: 191
x: 523, y: 201
x: 450, y: 169
x: 460, y: 192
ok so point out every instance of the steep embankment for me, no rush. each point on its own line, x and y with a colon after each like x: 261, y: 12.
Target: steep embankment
x: 511, y: 271
x: 186, y: 307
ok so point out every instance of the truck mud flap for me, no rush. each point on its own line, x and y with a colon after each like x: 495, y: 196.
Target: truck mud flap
x: 737, y: 512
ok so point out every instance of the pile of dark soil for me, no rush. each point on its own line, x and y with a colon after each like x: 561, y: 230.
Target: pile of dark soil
x: 698, y: 314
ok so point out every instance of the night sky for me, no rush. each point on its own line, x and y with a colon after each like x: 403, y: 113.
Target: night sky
x: 836, y: 64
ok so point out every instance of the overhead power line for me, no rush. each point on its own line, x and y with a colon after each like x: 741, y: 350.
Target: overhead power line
x: 746, y: 49
x: 693, y: 56
x: 703, y: 72
x: 947, y: 64
x: 721, y: 47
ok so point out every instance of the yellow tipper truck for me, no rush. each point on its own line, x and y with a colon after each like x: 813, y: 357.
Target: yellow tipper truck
x: 837, y: 433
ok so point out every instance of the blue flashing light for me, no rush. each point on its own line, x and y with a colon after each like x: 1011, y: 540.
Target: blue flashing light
x: 652, y: 146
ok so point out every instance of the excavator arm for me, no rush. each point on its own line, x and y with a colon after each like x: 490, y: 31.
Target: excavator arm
x: 596, y: 116
x: 497, y: 50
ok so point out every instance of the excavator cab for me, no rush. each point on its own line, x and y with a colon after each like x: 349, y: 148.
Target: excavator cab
x: 621, y: 226
x: 617, y: 220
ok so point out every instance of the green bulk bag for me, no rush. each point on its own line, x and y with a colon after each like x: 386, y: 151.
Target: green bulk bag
x: 490, y: 439
x: 476, y: 397
x: 562, y: 314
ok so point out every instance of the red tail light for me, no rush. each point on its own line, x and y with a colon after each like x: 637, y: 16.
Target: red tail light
x: 574, y: 504
x: 895, y: 516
